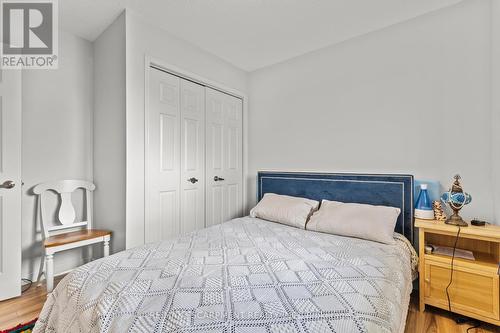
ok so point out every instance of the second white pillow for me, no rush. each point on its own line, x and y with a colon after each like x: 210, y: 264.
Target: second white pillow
x: 284, y: 209
x: 369, y: 222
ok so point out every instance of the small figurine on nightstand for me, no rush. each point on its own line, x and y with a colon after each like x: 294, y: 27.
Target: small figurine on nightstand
x: 457, y: 199
x: 439, y: 213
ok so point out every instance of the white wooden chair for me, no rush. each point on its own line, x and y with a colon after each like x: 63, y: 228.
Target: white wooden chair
x: 54, y: 237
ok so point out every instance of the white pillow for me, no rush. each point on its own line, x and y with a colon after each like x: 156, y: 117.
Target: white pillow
x: 284, y: 209
x: 370, y: 222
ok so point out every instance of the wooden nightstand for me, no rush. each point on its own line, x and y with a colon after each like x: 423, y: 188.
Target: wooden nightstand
x: 475, y: 288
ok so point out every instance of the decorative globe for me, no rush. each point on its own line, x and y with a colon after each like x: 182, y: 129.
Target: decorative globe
x: 457, y: 199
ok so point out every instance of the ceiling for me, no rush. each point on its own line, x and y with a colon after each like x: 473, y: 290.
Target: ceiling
x: 250, y: 34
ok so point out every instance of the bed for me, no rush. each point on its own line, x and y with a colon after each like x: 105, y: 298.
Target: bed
x: 251, y: 275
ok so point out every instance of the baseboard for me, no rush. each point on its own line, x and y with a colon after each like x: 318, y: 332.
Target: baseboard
x: 33, y: 277
x: 42, y: 279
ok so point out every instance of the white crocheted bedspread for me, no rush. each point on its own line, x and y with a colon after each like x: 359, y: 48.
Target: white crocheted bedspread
x: 246, y: 275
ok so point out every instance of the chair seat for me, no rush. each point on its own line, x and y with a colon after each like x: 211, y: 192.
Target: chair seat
x: 75, y: 236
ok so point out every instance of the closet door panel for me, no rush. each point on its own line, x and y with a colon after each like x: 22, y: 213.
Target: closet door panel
x: 169, y: 226
x: 192, y: 99
x: 215, y: 214
x: 224, y: 154
x: 214, y: 156
x: 168, y: 154
x: 234, y: 156
x: 233, y: 201
x: 217, y: 146
x: 164, y: 157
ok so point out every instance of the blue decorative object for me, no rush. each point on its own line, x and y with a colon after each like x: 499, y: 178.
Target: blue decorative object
x: 457, y: 199
x: 423, y: 207
x: 433, y: 189
x: 385, y: 190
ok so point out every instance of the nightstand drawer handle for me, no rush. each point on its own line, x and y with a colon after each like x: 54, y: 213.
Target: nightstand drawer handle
x: 428, y: 280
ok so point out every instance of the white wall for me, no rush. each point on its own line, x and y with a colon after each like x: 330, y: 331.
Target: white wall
x: 109, y: 131
x: 495, y: 103
x: 411, y: 98
x: 146, y: 40
x: 57, y: 137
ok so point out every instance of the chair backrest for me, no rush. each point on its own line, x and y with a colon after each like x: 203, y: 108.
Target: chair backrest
x: 66, y: 212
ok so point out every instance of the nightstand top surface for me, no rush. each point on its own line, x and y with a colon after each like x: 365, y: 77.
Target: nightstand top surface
x: 487, y: 231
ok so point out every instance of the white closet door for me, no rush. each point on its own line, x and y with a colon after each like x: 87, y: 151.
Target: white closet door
x: 10, y: 183
x: 164, y: 153
x: 176, y: 150
x: 224, y: 146
x: 192, y: 156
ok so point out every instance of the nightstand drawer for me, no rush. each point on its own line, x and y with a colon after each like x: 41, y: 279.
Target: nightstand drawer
x: 471, y: 291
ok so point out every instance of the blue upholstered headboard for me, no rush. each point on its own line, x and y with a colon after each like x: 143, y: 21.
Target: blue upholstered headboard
x: 387, y: 190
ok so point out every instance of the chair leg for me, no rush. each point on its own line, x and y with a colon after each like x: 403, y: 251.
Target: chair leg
x: 106, y: 247
x: 40, y: 270
x: 49, y: 262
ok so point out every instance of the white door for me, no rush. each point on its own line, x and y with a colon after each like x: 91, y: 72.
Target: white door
x: 163, y: 146
x: 10, y: 183
x: 224, y: 145
x: 192, y: 156
x: 175, y: 193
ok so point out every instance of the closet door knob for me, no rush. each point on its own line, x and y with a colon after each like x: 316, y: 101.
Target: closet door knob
x: 192, y: 180
x: 218, y: 179
x: 8, y: 184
